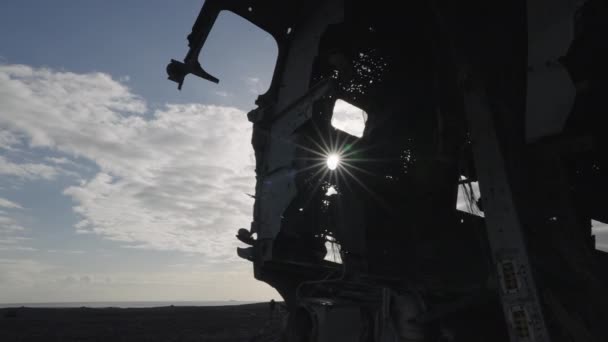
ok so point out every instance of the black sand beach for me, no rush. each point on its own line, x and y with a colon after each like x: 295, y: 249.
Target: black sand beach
x: 250, y: 322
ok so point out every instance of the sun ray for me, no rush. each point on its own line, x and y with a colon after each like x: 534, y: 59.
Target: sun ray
x: 318, y: 165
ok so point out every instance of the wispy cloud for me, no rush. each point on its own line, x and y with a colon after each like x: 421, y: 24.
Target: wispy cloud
x: 65, y: 251
x: 21, y: 271
x: 28, y: 171
x: 9, y: 225
x: 22, y: 279
x: 60, y: 161
x: 222, y: 93
x: 12, y: 233
x: 255, y: 85
x: 13, y: 248
x: 9, y: 204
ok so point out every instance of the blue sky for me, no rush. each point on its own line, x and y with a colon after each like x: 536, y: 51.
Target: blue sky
x: 114, y: 185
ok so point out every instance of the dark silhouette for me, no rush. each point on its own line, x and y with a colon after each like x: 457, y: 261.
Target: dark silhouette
x: 508, y: 95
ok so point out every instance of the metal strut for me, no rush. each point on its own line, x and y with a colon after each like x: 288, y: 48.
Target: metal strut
x: 520, y: 301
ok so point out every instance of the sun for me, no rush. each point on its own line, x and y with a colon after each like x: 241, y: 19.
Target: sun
x: 333, y: 160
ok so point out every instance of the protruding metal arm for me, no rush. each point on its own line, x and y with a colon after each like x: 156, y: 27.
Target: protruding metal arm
x: 176, y: 70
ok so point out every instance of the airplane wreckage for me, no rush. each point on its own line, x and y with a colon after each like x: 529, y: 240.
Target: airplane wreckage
x: 509, y: 94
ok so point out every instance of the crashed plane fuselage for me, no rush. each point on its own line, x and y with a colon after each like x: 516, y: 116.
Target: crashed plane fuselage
x: 452, y: 98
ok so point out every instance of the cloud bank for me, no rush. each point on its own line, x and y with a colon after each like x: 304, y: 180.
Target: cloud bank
x: 170, y: 179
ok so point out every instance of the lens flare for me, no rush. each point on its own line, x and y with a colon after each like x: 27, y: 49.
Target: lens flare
x: 332, y: 161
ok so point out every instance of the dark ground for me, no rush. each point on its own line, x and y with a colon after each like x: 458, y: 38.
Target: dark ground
x: 250, y: 322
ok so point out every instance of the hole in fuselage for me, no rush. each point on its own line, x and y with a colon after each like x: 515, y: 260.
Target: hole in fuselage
x: 348, y: 118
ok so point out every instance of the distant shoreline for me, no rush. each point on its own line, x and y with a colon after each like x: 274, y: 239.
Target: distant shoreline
x: 124, y: 304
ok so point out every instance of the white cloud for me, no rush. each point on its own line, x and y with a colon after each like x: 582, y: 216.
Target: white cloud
x: 9, y: 204
x: 8, y: 139
x: 64, y: 109
x: 60, y: 161
x: 27, y: 171
x: 172, y: 180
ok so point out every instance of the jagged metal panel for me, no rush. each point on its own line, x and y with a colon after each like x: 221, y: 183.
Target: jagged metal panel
x: 295, y: 79
x: 276, y: 187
